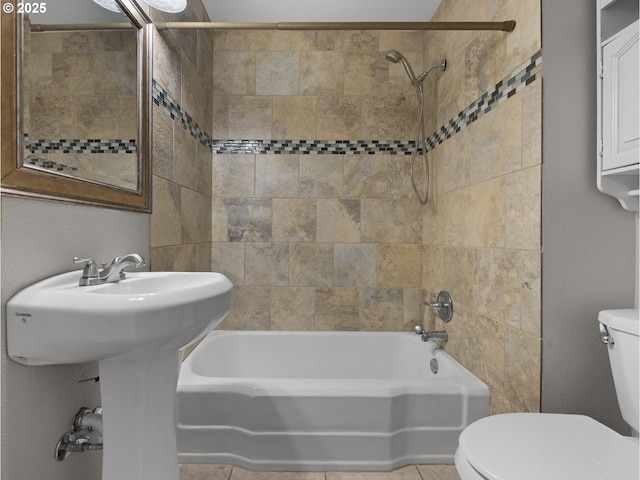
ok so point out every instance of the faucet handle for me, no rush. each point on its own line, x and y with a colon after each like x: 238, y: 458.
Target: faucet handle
x: 90, y: 268
x: 443, y: 305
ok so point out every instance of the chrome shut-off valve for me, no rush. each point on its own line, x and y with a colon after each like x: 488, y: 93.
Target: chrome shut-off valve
x: 443, y: 305
x: 85, y: 436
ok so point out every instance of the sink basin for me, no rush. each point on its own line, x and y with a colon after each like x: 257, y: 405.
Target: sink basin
x: 56, y: 321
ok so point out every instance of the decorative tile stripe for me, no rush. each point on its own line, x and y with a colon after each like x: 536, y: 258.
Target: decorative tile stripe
x: 259, y: 147
x: 524, y: 75
x: 163, y: 100
x: 61, y: 145
x: 45, y: 164
x: 314, y: 147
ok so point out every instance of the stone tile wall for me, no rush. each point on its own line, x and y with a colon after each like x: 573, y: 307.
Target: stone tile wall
x: 482, y: 229
x: 82, y: 84
x: 327, y: 242
x: 339, y: 241
x: 181, y: 218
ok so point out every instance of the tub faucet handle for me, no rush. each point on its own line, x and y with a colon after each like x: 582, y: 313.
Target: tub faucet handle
x: 443, y: 305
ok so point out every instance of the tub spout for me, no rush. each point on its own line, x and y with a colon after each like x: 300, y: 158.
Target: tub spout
x: 436, y: 335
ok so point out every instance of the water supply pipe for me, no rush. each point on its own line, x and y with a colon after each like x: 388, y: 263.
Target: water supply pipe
x: 85, y: 436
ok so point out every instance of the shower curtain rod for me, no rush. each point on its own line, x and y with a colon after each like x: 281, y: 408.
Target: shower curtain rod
x: 63, y: 27
x: 506, y: 26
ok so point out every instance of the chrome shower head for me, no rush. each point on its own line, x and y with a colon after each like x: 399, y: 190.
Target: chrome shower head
x: 395, y: 56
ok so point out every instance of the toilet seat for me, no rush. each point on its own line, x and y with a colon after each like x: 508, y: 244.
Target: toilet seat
x: 535, y: 446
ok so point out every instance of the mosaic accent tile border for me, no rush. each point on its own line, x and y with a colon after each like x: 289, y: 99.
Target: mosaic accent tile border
x: 163, y: 100
x: 62, y: 145
x: 524, y: 75
x: 261, y: 147
x: 314, y: 147
x: 44, y: 164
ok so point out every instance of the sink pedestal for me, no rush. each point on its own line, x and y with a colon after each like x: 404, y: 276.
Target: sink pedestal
x: 138, y: 399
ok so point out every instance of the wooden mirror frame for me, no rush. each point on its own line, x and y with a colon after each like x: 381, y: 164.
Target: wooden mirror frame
x: 17, y: 180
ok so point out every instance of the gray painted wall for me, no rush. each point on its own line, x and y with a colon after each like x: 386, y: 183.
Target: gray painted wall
x: 588, y: 240
x: 39, y: 239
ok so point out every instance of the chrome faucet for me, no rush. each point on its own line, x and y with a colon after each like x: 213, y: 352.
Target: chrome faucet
x: 92, y: 275
x: 437, y: 335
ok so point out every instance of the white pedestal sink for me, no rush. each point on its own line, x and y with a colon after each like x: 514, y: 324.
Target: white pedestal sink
x: 137, y: 418
x: 135, y: 329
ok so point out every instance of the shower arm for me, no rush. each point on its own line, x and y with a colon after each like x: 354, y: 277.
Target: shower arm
x: 442, y: 65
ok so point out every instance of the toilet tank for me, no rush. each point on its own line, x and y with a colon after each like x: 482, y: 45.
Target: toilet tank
x: 624, y: 355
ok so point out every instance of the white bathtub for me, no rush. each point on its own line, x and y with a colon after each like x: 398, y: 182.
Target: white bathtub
x: 318, y: 401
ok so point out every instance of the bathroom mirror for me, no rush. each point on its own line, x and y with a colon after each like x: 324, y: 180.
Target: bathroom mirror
x: 76, y: 101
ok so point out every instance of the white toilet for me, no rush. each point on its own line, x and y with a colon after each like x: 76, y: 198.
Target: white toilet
x: 543, y: 446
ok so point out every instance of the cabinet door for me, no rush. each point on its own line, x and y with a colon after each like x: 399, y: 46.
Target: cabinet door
x: 620, y: 97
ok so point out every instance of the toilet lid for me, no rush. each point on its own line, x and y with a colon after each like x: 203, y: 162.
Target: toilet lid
x: 535, y: 446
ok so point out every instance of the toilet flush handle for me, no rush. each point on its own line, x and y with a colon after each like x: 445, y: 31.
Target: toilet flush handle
x: 604, y: 335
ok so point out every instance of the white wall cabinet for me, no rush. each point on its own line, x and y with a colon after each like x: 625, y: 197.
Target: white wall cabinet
x: 619, y: 101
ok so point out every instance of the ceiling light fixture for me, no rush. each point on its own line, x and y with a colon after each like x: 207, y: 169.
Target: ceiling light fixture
x: 109, y: 5
x: 168, y: 6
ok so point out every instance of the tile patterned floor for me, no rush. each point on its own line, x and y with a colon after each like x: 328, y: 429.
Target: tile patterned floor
x: 227, y: 472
